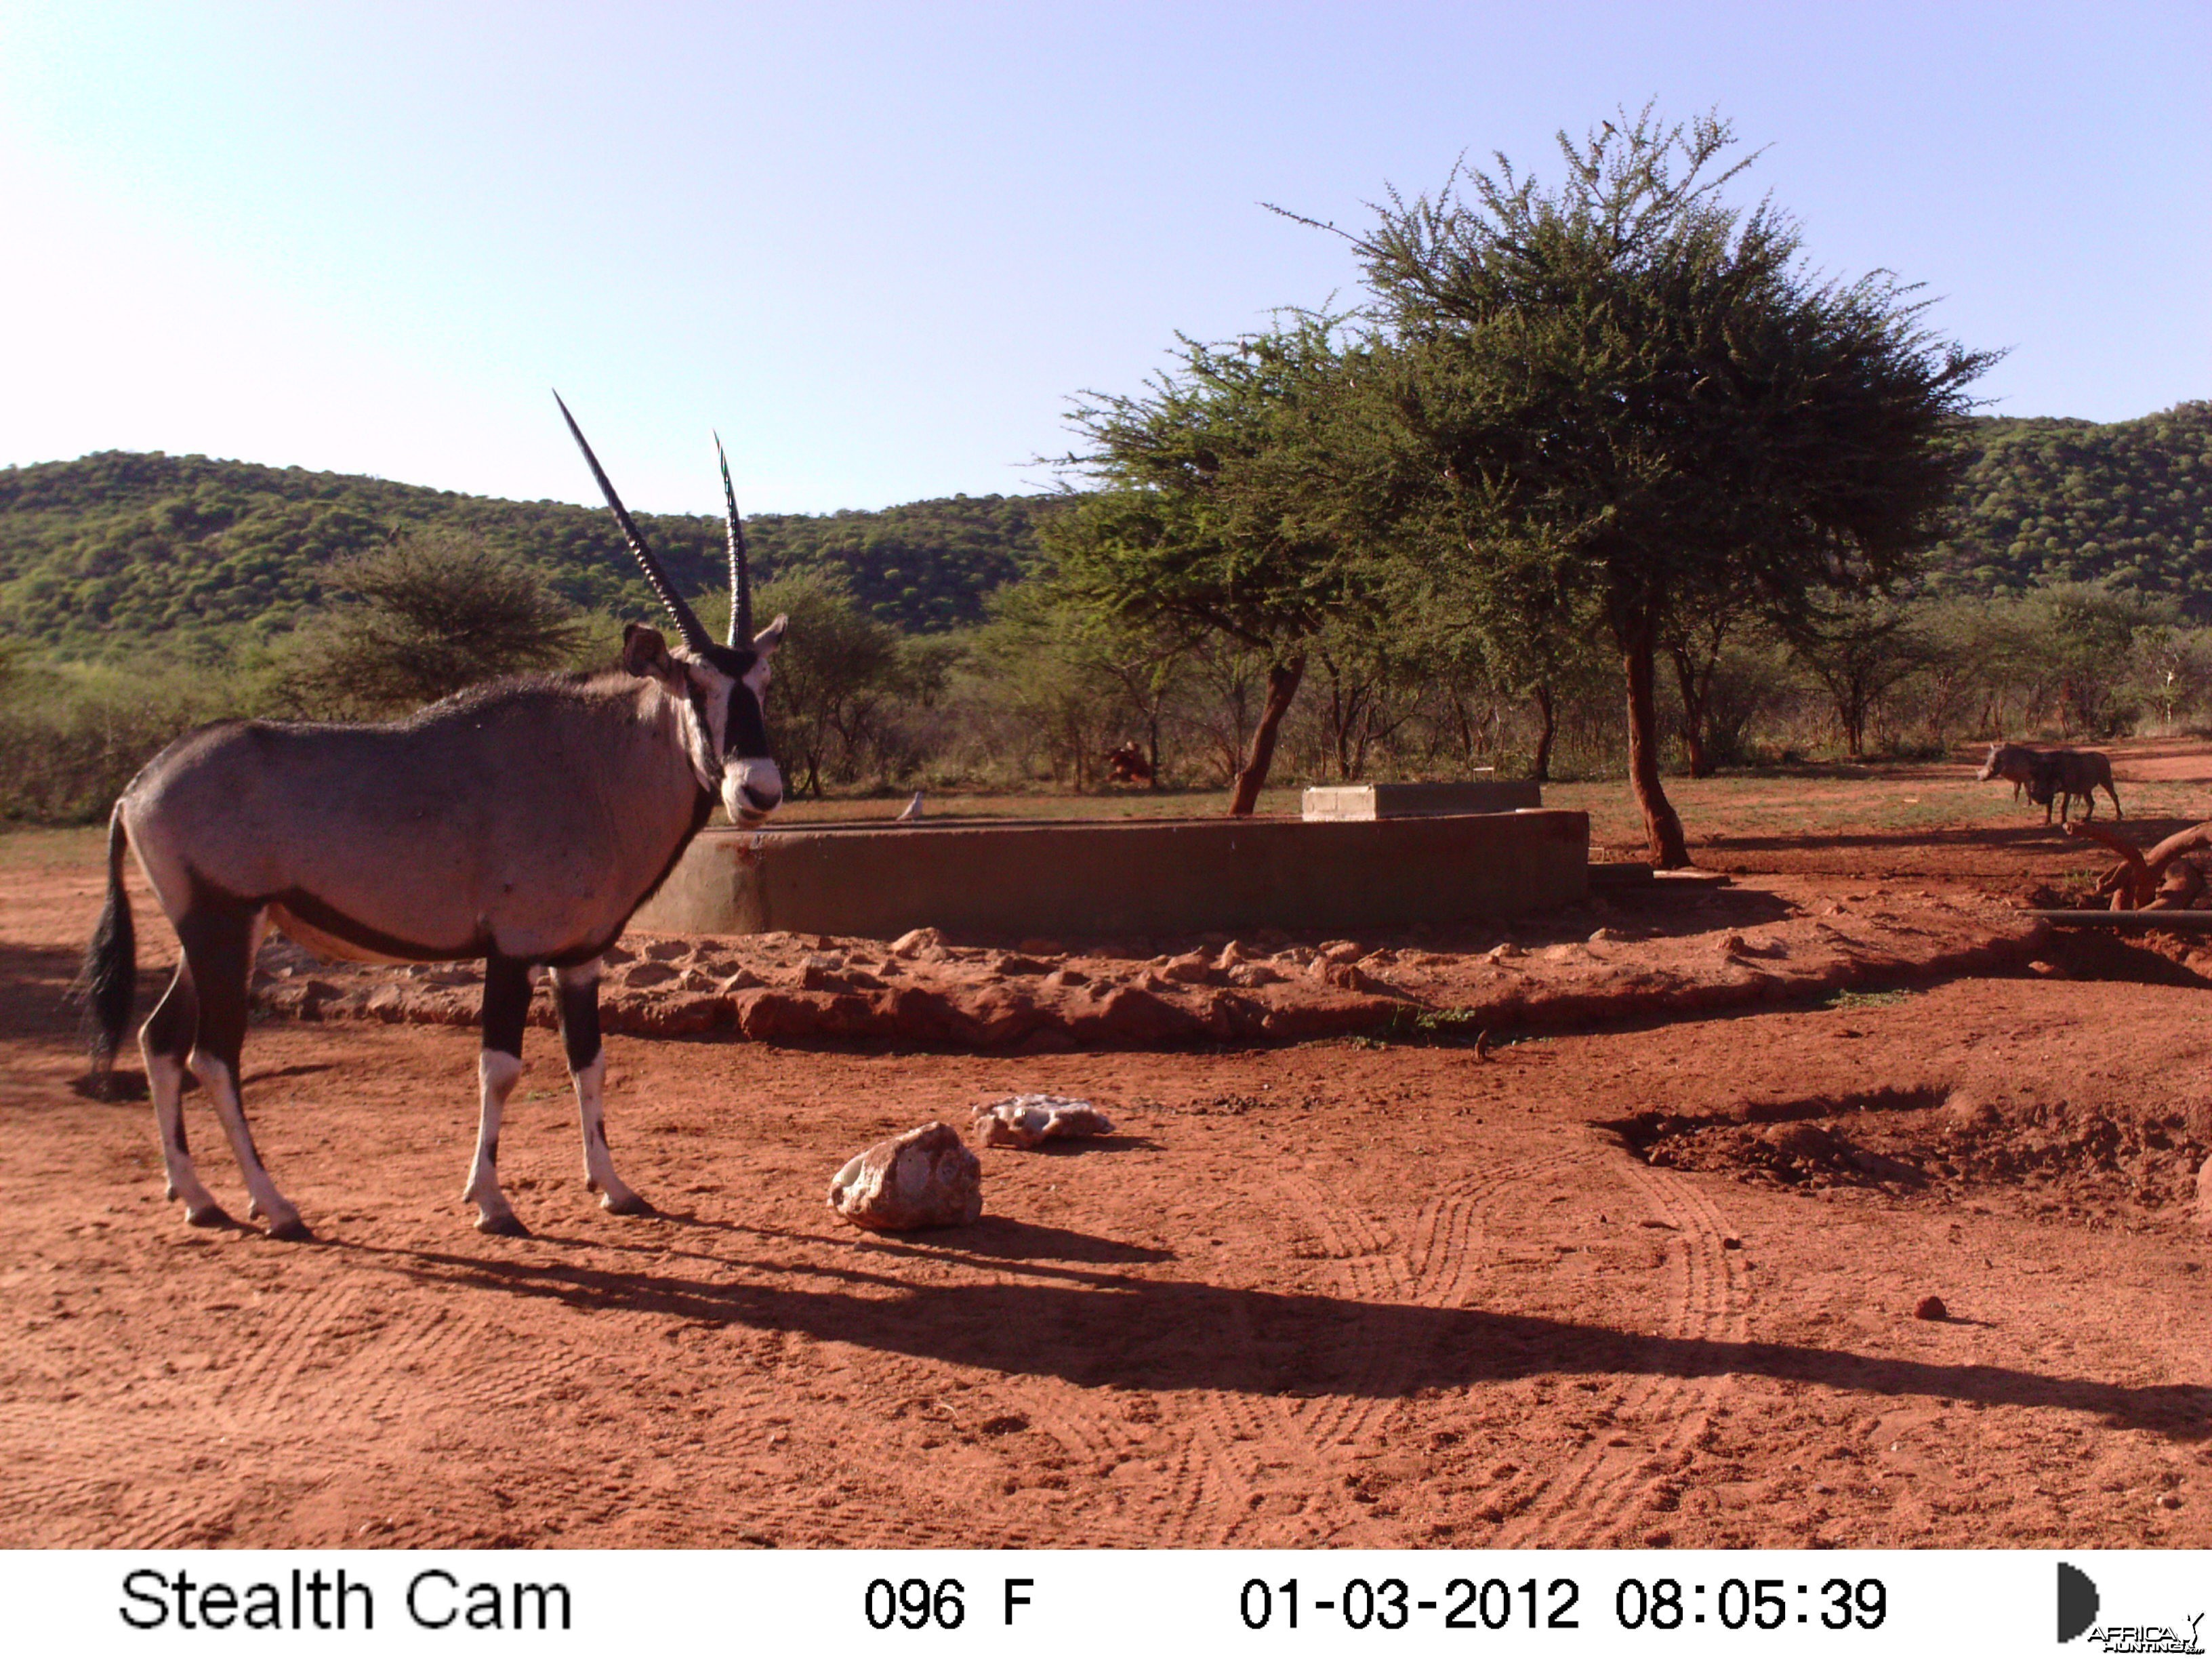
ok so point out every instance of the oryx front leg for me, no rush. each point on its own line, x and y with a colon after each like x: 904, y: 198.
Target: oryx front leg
x: 579, y: 996
x: 506, y: 1010
x: 165, y: 1041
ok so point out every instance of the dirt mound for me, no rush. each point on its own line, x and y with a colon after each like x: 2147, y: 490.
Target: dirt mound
x: 1660, y: 953
x: 1923, y: 1142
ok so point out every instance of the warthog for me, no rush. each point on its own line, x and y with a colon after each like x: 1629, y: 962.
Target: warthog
x: 2053, y: 774
x: 2012, y: 761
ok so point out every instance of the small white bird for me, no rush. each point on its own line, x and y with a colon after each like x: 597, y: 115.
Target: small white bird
x: 913, y: 813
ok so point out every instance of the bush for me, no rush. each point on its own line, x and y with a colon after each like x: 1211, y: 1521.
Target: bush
x: 72, y: 739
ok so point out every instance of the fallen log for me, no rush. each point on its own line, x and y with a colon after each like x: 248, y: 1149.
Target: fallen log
x: 2161, y: 879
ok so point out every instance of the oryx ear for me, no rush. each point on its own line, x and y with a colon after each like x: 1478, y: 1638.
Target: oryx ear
x: 765, y: 641
x: 645, y: 653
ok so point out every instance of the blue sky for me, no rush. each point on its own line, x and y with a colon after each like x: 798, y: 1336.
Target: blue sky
x: 879, y: 246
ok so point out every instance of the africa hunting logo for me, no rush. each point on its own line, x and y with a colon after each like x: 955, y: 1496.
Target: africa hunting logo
x: 2078, y: 1606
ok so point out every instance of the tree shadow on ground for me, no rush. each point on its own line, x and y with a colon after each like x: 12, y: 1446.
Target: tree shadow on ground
x: 2027, y: 838
x: 1108, y: 1330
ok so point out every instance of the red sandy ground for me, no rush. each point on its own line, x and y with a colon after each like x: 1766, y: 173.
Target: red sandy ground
x: 1610, y: 1285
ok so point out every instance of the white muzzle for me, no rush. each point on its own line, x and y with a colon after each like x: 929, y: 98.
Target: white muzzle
x: 751, y: 789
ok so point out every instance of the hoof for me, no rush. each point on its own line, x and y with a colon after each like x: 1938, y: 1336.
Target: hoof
x: 292, y: 1230
x: 209, y: 1215
x: 502, y: 1226
x: 628, y: 1204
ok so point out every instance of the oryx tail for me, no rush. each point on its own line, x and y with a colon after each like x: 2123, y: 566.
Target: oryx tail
x: 110, y: 977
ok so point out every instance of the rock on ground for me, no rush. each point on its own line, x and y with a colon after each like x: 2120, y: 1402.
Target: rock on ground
x: 926, y: 1177
x: 1030, y: 1120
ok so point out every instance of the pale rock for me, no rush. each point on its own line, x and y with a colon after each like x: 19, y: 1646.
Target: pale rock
x: 1030, y: 1120
x: 926, y: 1177
x: 1341, y: 950
x: 1192, y: 968
x: 1800, y: 1139
x: 915, y: 942
x: 667, y: 949
x: 1967, y: 1110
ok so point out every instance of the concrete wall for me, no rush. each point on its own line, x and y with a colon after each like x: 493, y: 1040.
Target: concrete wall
x: 1104, y: 878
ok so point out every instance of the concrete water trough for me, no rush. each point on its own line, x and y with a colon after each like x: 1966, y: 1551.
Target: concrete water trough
x: 1100, y: 878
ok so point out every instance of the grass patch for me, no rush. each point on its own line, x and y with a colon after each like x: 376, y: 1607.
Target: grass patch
x: 1438, y: 1028
x: 1865, y: 999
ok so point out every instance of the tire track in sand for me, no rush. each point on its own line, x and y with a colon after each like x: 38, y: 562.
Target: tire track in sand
x: 1596, y: 1497
x: 1264, y: 1463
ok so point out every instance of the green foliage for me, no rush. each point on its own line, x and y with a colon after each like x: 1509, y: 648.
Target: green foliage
x: 1629, y: 386
x: 1625, y: 390
x: 117, y: 550
x: 436, y: 611
x: 830, y: 676
x: 2047, y: 501
x: 1217, y: 509
x: 72, y: 738
x: 1859, y: 647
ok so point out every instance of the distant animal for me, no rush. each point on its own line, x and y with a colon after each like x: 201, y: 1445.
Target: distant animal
x: 2053, y: 774
x: 522, y: 823
x: 2064, y: 773
x: 2012, y: 761
x: 913, y: 813
x: 1127, y: 764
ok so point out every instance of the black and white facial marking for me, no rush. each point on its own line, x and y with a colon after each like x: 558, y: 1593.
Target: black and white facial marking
x: 719, y: 691
x: 729, y: 688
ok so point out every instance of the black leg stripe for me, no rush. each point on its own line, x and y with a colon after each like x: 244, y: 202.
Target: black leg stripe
x: 580, y: 1023
x: 506, y: 1003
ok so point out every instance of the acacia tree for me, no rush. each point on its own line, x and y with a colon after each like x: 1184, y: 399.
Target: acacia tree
x: 835, y: 661
x: 1223, y: 508
x: 1631, y: 389
x: 1860, y: 649
x: 432, y: 611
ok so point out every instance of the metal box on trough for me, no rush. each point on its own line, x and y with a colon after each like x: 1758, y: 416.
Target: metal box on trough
x: 1365, y: 802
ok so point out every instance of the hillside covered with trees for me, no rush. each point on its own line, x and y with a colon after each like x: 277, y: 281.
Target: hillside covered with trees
x: 119, y: 548
x: 2045, y: 502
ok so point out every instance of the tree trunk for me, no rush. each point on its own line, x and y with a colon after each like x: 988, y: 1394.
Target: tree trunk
x: 1152, y: 731
x: 1282, y: 685
x: 1697, y: 688
x: 1547, y: 710
x: 1661, y: 827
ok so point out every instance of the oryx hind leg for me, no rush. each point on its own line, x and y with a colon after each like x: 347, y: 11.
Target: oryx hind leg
x: 506, y: 1012
x: 219, y: 945
x: 578, y: 990
x: 166, y: 1040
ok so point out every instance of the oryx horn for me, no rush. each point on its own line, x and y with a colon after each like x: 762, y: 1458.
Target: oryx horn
x: 741, y: 584
x: 695, y: 636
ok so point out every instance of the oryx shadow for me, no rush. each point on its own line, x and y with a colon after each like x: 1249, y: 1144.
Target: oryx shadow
x: 1104, y: 1329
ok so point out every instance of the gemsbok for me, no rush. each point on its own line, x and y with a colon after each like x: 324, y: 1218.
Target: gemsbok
x: 521, y: 822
